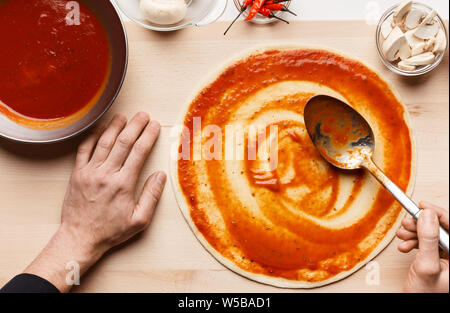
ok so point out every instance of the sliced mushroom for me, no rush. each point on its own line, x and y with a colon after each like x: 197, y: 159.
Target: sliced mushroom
x: 421, y: 59
x: 440, y: 42
x: 418, y: 48
x: 429, y: 18
x: 406, y: 67
x: 426, y: 31
x: 411, y: 39
x: 404, y: 52
x: 401, y: 10
x: 393, y: 43
x: 429, y: 44
x: 413, y: 18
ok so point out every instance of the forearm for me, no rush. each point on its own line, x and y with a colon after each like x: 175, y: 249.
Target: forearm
x: 51, y: 263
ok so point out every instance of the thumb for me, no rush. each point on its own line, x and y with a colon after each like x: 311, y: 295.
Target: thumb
x: 427, y: 261
x: 149, y: 198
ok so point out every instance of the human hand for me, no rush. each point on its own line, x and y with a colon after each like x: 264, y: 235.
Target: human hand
x: 429, y: 272
x: 100, y: 210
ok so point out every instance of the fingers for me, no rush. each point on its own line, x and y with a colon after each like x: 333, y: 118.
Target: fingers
x: 427, y: 261
x: 86, y: 148
x: 409, y: 234
x: 441, y: 213
x: 140, y: 151
x: 126, y: 140
x: 407, y: 246
x: 405, y: 234
x: 149, y: 198
x: 410, y: 224
x: 409, y: 231
x: 107, y: 140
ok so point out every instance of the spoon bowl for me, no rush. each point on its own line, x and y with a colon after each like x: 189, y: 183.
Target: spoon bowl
x: 345, y: 139
x: 342, y: 136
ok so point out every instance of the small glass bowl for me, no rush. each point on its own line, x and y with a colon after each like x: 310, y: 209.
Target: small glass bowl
x: 199, y: 13
x: 259, y: 18
x: 420, y: 70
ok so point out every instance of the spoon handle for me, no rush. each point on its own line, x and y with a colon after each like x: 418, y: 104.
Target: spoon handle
x: 401, y: 197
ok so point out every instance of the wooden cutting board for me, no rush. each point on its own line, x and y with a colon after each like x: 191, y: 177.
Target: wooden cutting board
x: 164, y: 69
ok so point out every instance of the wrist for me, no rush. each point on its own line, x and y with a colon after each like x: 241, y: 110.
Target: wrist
x: 83, y: 250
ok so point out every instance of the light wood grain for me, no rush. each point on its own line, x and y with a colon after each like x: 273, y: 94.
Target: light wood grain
x: 163, y: 71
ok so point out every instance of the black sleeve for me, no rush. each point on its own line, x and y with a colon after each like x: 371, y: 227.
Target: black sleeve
x: 28, y: 283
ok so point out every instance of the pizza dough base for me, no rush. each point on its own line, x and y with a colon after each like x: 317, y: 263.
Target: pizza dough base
x: 269, y: 280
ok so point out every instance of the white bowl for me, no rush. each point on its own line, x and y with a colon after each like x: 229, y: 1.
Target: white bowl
x: 199, y: 13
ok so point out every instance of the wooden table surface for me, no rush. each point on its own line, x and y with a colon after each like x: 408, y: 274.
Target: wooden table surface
x: 164, y: 69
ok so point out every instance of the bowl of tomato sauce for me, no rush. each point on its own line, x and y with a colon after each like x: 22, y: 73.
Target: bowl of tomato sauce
x: 62, y: 64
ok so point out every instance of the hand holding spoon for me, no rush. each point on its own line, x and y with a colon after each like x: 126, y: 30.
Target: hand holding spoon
x: 345, y: 139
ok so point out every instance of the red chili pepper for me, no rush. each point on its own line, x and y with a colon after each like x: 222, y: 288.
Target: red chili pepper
x: 278, y: 7
x: 268, y: 13
x: 246, y: 3
x: 265, y: 11
x: 274, y: 6
x: 257, y: 5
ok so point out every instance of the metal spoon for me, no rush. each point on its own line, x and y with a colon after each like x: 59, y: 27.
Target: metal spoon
x: 345, y: 139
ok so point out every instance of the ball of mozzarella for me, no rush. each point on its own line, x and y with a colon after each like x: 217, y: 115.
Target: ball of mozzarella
x: 163, y: 12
